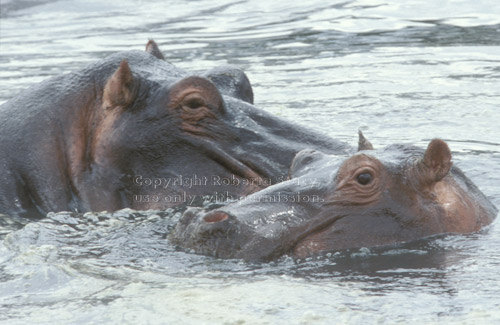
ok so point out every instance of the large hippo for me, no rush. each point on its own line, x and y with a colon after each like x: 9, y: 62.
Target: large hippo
x: 336, y: 202
x: 134, y: 131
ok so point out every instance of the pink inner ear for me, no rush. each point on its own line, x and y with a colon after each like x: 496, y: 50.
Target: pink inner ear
x: 437, y: 159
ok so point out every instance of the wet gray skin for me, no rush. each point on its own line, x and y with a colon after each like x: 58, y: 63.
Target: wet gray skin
x: 134, y: 131
x: 335, y: 202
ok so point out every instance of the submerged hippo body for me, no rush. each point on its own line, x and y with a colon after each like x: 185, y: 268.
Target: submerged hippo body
x: 134, y: 131
x: 374, y: 197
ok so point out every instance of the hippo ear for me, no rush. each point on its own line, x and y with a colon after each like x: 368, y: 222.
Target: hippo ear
x: 153, y: 49
x: 363, y: 143
x: 435, y: 164
x: 119, y: 90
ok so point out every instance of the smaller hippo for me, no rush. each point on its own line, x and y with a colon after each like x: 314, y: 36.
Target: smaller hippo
x: 371, y: 198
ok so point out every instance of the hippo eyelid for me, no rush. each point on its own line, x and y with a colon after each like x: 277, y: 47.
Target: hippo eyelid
x: 364, y: 170
x: 193, y: 101
x: 182, y: 99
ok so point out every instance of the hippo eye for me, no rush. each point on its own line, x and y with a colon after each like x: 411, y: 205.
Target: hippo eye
x: 364, y: 178
x: 193, y: 102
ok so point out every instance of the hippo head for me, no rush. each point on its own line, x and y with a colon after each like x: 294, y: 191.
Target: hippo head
x: 161, y: 137
x: 374, y: 197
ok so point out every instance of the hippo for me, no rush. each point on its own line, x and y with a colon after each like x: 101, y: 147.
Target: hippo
x: 133, y: 131
x: 333, y: 203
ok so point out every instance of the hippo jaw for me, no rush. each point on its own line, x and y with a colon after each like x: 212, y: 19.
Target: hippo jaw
x: 368, y: 228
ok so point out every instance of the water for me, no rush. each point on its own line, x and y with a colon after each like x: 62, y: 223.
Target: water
x: 402, y: 71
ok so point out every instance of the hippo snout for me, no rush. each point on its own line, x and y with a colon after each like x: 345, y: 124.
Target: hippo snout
x: 214, y: 232
x: 196, y: 222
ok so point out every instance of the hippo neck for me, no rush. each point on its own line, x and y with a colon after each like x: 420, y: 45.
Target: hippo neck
x: 42, y: 128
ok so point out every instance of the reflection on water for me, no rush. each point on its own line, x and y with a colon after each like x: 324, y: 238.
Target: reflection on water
x: 402, y: 71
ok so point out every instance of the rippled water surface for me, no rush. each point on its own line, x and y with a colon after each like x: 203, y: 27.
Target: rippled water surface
x: 402, y: 71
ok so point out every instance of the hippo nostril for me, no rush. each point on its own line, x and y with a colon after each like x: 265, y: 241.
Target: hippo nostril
x: 215, y: 216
